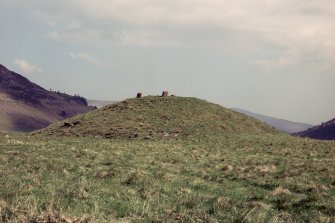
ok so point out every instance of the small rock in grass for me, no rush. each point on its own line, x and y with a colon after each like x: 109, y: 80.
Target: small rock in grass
x: 280, y: 191
x: 104, y: 174
x: 66, y: 124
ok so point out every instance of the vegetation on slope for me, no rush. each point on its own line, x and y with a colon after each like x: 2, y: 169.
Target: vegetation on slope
x: 158, y: 117
x: 204, y: 163
x: 280, y: 124
x: 325, y: 131
x: 25, y: 106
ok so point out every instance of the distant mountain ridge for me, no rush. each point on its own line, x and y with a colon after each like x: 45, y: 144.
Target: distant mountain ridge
x: 280, y: 124
x: 25, y: 106
x: 325, y: 131
x: 99, y: 103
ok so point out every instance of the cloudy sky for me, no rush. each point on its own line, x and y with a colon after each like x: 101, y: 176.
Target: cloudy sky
x: 274, y: 57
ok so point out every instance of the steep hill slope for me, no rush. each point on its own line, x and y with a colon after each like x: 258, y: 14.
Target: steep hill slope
x: 280, y: 124
x: 325, y: 131
x: 26, y: 106
x: 153, y: 117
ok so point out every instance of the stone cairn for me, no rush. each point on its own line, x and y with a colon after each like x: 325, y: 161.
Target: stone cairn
x: 165, y: 94
x: 139, y: 95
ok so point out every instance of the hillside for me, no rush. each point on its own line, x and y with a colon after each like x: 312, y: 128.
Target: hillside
x: 25, y: 106
x: 280, y: 124
x: 325, y: 131
x: 158, y: 117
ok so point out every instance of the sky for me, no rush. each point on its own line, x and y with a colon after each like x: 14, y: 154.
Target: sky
x: 273, y: 57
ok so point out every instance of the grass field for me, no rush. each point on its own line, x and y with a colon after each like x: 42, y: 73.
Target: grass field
x: 165, y: 160
x: 239, y: 178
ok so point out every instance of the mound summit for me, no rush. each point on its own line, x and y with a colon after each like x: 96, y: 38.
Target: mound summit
x: 158, y: 117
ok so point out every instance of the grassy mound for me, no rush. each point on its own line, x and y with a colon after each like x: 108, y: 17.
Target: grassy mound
x: 158, y: 117
x: 223, y: 167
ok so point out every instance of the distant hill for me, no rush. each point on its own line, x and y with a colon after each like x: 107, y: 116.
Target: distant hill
x: 98, y: 103
x: 25, y: 106
x: 154, y: 117
x: 325, y: 131
x: 280, y: 124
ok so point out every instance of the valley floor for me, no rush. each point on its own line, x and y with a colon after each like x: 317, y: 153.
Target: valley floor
x: 244, y: 178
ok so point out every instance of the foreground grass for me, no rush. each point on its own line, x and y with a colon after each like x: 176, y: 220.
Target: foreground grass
x: 239, y: 178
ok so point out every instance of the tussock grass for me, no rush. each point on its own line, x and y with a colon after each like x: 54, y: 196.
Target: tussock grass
x: 236, y: 178
x: 165, y: 160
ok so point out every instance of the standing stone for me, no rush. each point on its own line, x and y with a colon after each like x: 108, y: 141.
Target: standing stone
x: 139, y: 95
x: 165, y: 94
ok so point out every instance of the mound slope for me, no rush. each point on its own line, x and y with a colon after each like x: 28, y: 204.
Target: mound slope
x: 280, y: 124
x: 158, y: 117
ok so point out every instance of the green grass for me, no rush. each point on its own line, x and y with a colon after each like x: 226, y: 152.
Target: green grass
x: 157, y: 117
x: 165, y: 160
x: 239, y: 178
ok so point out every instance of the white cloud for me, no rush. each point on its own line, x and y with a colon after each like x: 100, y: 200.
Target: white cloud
x: 85, y: 57
x: 79, y: 36
x: 187, y: 12
x: 293, y: 27
x: 27, y: 67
